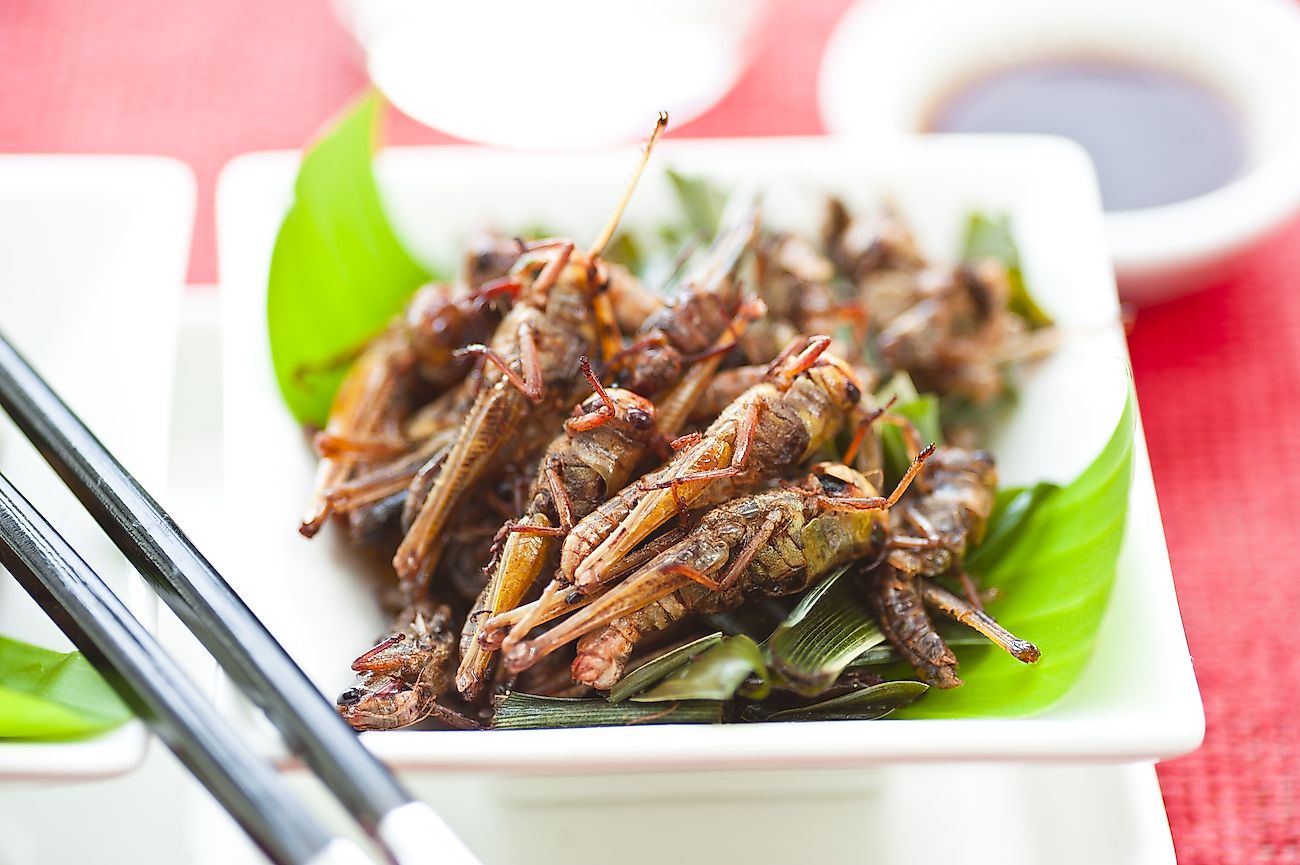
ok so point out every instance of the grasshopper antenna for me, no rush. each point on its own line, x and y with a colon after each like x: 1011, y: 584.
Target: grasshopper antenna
x: 607, y: 233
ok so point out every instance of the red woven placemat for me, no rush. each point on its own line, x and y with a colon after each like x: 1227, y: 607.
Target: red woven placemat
x: 1218, y: 374
x: 1218, y: 379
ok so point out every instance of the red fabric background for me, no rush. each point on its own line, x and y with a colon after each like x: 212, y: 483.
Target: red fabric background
x: 1218, y: 373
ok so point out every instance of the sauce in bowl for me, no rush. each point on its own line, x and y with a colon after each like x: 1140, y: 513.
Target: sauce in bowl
x: 1156, y: 138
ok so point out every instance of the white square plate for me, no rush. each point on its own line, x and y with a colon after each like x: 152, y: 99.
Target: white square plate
x: 1137, y: 699
x: 93, y: 251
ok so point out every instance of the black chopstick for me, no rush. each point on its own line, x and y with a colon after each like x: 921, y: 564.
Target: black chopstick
x: 206, y: 604
x: 153, y: 685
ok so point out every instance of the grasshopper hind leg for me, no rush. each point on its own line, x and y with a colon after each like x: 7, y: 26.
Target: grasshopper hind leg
x: 896, y: 600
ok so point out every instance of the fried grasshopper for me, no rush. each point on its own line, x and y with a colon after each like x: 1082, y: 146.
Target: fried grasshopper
x: 404, y: 674
x: 529, y: 369
x: 804, y: 294
x: 930, y: 532
x: 600, y: 447
x: 413, y: 360
x: 775, y: 542
x: 675, y: 354
x: 776, y: 424
x: 950, y: 328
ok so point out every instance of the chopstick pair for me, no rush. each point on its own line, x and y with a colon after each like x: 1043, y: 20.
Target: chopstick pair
x: 105, y: 631
x: 153, y: 685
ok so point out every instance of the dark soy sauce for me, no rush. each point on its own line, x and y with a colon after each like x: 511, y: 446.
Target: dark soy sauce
x: 1156, y: 138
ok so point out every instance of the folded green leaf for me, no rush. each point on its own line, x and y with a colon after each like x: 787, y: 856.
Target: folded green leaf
x: 715, y: 675
x: 1015, y: 506
x: 991, y: 237
x: 51, y: 695
x: 923, y: 412
x: 959, y: 412
x: 701, y: 201
x: 866, y: 704
x: 830, y: 627
x: 643, y: 676
x: 900, y: 386
x: 517, y: 711
x: 1055, y: 576
x: 626, y: 250
x: 338, y: 272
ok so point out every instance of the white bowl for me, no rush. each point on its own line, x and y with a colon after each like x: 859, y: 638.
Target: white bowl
x: 93, y: 251
x: 889, y: 61
x: 310, y: 595
x: 590, y: 81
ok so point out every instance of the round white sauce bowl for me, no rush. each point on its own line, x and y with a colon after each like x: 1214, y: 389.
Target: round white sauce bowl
x: 891, y: 62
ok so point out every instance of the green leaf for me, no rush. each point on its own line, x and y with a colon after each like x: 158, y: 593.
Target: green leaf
x: 865, y: 704
x: 830, y: 627
x: 991, y: 237
x: 1055, y: 576
x: 715, y: 675
x: 338, y: 272
x: 50, y: 695
x: 517, y: 711
x: 701, y: 201
x: 900, y: 385
x: 536, y: 231
x: 923, y: 412
x: 958, y: 412
x: 643, y: 676
x: 626, y: 250
x: 1014, y: 507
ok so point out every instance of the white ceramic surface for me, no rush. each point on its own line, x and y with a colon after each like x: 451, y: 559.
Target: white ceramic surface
x: 1031, y: 815
x: 93, y: 251
x: 312, y: 598
x: 889, y: 61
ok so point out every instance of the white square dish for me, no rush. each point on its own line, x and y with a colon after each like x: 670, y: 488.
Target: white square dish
x: 93, y: 251
x: 313, y: 600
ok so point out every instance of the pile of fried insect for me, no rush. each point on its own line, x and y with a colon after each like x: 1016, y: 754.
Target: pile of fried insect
x: 573, y: 471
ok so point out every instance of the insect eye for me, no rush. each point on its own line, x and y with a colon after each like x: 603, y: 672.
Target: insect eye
x: 832, y: 485
x: 640, y: 419
x: 852, y: 392
x: 350, y: 697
